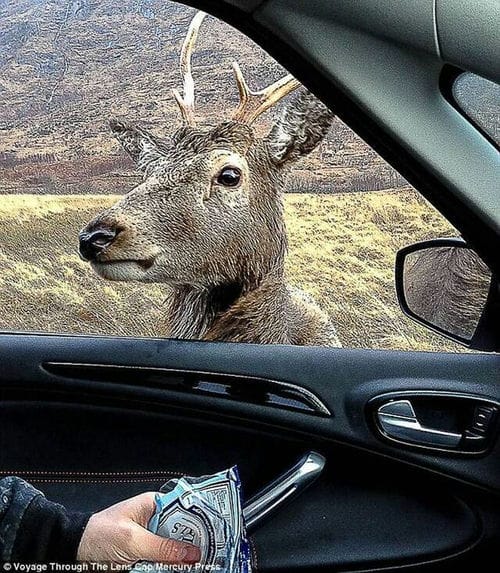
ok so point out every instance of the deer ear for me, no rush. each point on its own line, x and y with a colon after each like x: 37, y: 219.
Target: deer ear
x: 143, y: 147
x: 302, y: 125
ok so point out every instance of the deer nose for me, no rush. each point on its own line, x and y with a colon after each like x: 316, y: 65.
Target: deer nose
x: 94, y: 242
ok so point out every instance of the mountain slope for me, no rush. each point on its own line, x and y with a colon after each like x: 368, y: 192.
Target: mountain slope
x: 66, y: 67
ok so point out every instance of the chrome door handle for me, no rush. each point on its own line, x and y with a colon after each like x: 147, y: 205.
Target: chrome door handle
x: 399, y: 421
x: 283, y: 489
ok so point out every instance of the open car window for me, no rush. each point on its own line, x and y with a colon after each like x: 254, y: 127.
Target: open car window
x: 342, y: 212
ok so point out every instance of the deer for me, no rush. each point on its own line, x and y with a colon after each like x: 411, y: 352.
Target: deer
x: 207, y: 219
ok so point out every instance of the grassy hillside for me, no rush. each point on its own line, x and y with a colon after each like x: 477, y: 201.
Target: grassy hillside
x: 342, y: 251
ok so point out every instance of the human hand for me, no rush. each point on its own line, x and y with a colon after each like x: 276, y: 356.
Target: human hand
x: 119, y: 534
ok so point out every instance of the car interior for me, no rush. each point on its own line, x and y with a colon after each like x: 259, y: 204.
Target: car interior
x: 411, y: 477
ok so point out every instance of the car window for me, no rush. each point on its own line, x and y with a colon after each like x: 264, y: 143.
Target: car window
x: 186, y: 216
x: 479, y: 98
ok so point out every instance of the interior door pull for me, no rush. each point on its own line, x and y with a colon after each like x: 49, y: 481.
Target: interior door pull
x: 283, y: 489
x: 398, y: 420
x: 451, y: 422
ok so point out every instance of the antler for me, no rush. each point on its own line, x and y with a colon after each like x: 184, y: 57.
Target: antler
x: 186, y: 103
x: 252, y: 104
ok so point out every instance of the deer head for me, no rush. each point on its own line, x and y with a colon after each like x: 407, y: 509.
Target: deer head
x: 209, y: 210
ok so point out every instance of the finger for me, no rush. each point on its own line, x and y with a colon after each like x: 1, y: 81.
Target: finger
x: 164, y: 550
x: 141, y: 507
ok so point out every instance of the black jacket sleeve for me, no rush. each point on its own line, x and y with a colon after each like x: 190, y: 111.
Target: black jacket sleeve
x: 33, y: 529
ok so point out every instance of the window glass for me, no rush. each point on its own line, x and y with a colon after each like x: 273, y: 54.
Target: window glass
x: 193, y: 227
x: 480, y: 100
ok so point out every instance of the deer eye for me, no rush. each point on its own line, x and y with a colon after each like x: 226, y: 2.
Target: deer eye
x: 229, y: 177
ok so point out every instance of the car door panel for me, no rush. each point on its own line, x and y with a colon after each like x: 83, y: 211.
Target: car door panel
x: 343, y: 380
x: 89, y: 442
x: 343, y: 520
x: 72, y: 452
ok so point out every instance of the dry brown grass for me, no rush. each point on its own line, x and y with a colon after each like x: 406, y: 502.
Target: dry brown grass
x: 342, y: 251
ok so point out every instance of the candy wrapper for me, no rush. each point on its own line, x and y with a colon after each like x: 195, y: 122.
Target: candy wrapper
x: 207, y: 512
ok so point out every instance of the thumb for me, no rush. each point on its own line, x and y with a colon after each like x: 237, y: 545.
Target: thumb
x: 164, y: 550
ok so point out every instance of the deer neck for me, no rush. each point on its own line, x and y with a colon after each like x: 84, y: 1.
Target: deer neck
x: 192, y: 310
x: 225, y: 312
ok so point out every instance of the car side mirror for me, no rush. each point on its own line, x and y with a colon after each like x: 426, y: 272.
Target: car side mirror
x: 444, y: 285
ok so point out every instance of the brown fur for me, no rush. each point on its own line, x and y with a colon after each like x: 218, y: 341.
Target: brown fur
x: 447, y: 286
